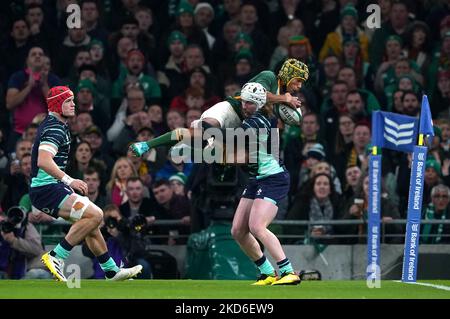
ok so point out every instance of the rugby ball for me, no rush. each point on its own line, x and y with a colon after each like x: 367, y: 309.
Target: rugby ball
x: 288, y: 115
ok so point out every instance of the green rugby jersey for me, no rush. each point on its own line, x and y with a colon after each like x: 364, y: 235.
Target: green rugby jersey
x: 57, y: 134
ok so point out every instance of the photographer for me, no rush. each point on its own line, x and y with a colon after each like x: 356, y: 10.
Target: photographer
x: 20, y: 247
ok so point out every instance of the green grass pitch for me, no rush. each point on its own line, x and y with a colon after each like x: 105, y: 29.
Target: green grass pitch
x: 217, y: 289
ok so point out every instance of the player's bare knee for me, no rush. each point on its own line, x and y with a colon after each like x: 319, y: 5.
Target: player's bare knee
x: 94, y: 214
x: 257, y: 230
x: 238, y: 232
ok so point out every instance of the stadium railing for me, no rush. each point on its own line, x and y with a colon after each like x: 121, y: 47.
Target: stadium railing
x: 288, y: 223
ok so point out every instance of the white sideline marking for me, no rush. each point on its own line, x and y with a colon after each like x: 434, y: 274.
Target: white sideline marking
x: 426, y: 284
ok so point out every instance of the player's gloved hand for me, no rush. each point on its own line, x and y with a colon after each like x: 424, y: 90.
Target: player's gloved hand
x: 138, y: 149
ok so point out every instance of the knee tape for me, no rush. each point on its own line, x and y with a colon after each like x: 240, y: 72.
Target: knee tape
x: 79, y: 206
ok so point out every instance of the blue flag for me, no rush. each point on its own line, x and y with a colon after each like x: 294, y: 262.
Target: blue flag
x: 426, y: 122
x: 394, y: 131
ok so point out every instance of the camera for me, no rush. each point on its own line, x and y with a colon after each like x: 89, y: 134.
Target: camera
x: 138, y: 223
x: 122, y: 225
x: 14, y: 216
x: 111, y: 222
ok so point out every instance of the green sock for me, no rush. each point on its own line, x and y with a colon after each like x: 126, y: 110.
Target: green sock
x: 264, y: 266
x: 61, y: 252
x: 285, y: 266
x: 110, y: 265
x: 165, y: 139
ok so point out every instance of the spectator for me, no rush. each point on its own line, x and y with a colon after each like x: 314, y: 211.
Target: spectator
x: 396, y: 25
x: 397, y: 98
x: 281, y: 51
x: 433, y: 173
x: 99, y: 67
x: 437, y: 209
x: 244, y: 67
x: 331, y: 66
x: 193, y: 98
x: 118, y: 61
x: 154, y: 160
x: 172, y: 77
x: 249, y: 24
x: 332, y: 107
x: 357, y: 154
x: 325, y: 22
x: 358, y: 209
x: 130, y: 118
x: 352, y: 178
x: 440, y: 99
x: 296, y: 149
x: 192, y: 115
x: 204, y: 16
x: 155, y: 113
x: 92, y: 178
x: 352, y: 58
x: 96, y: 104
x: 355, y: 106
x: 30, y: 132
x: 178, y: 183
x: 175, y: 120
x: 314, y: 155
x: 344, y: 135
x: 116, y: 186
x: 135, y: 71
x: 138, y: 203
x: 224, y: 47
x: 318, y: 201
x: 26, y: 91
x: 439, y: 62
x: 76, y: 39
x: 18, y: 182
x: 82, y: 160
x: 90, y: 14
x: 347, y: 29
x: 94, y: 137
x: 418, y: 44
x: 174, y: 207
x: 348, y: 75
x: 40, y: 33
x: 410, y: 103
x: 184, y: 22
x: 18, y: 47
x: 140, y: 164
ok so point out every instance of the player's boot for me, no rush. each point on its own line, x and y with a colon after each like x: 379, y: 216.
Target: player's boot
x: 265, y: 280
x: 139, y: 148
x: 126, y: 273
x: 55, y: 265
x: 287, y: 278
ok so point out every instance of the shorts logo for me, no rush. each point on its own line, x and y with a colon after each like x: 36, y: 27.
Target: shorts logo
x: 245, y: 191
x: 259, y: 192
x: 47, y: 211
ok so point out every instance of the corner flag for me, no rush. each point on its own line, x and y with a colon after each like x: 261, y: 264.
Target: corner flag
x: 426, y: 122
x: 394, y: 131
